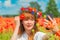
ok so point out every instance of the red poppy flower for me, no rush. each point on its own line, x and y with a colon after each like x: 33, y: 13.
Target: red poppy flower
x: 9, y: 22
x: 22, y: 16
x: 22, y: 8
x: 41, y: 21
x: 39, y: 14
x: 30, y: 9
x: 58, y: 33
x: 1, y: 30
x: 6, y: 27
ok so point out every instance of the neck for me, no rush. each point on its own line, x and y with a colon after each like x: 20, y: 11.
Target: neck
x: 28, y: 32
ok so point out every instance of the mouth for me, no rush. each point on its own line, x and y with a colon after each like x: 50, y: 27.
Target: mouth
x: 28, y: 25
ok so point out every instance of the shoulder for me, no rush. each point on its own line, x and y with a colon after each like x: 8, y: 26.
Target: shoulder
x: 22, y: 37
x: 39, y: 35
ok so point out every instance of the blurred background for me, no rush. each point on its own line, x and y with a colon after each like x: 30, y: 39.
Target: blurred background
x: 11, y: 8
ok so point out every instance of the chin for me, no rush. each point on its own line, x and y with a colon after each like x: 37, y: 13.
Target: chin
x: 29, y: 28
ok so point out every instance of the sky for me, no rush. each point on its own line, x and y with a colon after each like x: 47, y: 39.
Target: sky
x: 12, y: 7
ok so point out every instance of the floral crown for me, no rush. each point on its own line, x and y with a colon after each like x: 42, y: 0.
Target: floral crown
x: 33, y: 11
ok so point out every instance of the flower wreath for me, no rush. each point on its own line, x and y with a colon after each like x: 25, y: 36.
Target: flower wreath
x: 33, y: 11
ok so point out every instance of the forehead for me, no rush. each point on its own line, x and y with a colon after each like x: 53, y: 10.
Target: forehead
x: 29, y: 16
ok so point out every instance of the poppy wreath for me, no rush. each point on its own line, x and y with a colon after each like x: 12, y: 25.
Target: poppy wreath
x: 33, y: 11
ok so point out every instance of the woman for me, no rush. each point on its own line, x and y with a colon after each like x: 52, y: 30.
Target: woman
x: 26, y: 23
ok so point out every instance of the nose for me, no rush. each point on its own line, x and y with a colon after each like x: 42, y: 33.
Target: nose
x: 29, y: 21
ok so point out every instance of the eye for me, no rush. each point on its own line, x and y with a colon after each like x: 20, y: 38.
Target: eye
x: 32, y: 19
x: 26, y: 19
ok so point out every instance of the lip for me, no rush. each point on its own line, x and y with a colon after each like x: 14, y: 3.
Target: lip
x: 28, y: 25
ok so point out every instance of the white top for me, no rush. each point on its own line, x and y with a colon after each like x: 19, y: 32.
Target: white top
x: 37, y: 36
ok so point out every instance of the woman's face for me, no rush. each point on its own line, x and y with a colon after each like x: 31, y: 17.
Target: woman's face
x: 28, y: 24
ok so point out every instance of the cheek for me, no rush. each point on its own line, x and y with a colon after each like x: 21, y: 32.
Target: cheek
x: 24, y: 22
x: 32, y: 22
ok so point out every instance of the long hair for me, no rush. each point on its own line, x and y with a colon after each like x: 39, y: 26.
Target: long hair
x: 28, y: 15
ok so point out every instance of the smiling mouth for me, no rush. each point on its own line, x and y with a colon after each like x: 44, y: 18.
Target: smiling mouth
x: 28, y: 25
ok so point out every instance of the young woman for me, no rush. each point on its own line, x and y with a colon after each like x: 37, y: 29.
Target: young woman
x: 26, y: 24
